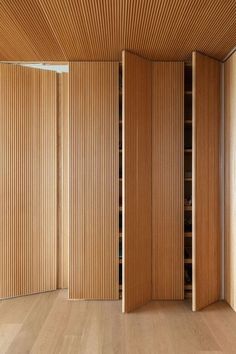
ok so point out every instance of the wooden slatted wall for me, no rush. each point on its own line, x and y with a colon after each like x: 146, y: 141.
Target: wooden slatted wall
x: 94, y: 180
x: 206, y: 180
x: 137, y: 181
x: 28, y: 181
x: 230, y: 178
x: 63, y: 179
x: 167, y: 180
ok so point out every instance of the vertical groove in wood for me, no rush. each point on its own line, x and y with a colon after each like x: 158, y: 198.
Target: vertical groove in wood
x: 28, y: 178
x: 63, y: 179
x: 230, y: 178
x: 94, y: 180
x: 167, y: 180
x: 206, y: 181
x: 99, y: 30
x: 137, y: 181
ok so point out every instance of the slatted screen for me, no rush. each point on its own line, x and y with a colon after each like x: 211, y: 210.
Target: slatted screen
x: 94, y: 180
x: 206, y: 180
x: 230, y: 178
x: 63, y: 179
x: 28, y: 180
x: 167, y: 180
x: 137, y: 181
x: 100, y: 29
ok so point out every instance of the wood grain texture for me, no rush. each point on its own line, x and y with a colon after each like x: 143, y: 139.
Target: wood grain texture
x: 49, y: 323
x: 230, y: 178
x: 63, y: 180
x: 167, y: 180
x: 206, y: 181
x: 94, y: 180
x: 101, y: 29
x: 137, y: 181
x: 28, y: 181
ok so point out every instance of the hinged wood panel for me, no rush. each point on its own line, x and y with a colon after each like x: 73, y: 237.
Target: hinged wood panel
x: 28, y: 181
x: 63, y: 179
x: 137, y: 181
x: 94, y: 180
x: 230, y: 179
x: 206, y: 180
x: 167, y: 180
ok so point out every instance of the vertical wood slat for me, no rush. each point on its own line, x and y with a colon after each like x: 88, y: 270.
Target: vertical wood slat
x: 28, y: 181
x: 94, y: 180
x: 137, y: 181
x: 63, y: 179
x: 167, y: 180
x: 230, y: 178
x: 206, y: 180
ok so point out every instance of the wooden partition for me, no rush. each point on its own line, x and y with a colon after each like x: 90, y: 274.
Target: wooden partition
x: 230, y: 178
x: 167, y: 180
x: 206, y: 180
x: 94, y: 180
x: 63, y: 179
x: 28, y: 180
x: 137, y: 181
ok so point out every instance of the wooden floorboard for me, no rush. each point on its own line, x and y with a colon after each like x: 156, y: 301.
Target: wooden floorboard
x: 49, y: 323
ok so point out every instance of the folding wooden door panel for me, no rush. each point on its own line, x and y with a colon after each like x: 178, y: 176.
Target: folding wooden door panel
x: 230, y: 178
x: 63, y: 179
x: 206, y: 180
x: 167, y: 180
x: 137, y: 242
x: 94, y: 180
x: 28, y: 180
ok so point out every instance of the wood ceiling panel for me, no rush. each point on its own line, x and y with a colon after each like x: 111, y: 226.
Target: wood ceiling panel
x: 99, y: 30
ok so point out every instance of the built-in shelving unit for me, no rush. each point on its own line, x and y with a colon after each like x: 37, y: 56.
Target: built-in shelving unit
x: 188, y: 234
x: 188, y: 181
x: 120, y: 183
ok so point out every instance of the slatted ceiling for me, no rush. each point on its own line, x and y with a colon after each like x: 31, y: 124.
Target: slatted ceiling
x: 9, y: 36
x: 28, y: 242
x: 167, y: 181
x: 100, y: 29
x: 94, y: 180
x: 34, y: 28
x: 63, y: 179
x: 137, y: 181
x: 230, y: 200
x: 206, y: 182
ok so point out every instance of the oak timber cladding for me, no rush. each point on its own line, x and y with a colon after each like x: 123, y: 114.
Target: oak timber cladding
x: 28, y: 181
x: 63, y: 179
x: 230, y: 178
x: 167, y: 180
x: 100, y: 29
x: 94, y: 180
x: 206, y: 180
x: 137, y: 181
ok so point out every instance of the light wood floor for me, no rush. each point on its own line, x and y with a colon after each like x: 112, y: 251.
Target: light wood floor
x: 49, y: 323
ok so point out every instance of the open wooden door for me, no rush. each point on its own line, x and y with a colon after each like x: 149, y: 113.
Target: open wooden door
x: 206, y: 181
x: 137, y: 212
x: 94, y: 180
x: 28, y: 180
x: 167, y: 180
x: 229, y: 180
x: 63, y: 180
